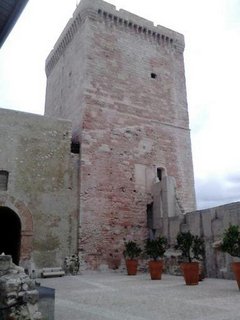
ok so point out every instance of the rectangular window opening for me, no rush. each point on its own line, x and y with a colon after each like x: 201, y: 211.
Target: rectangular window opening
x: 3, y: 180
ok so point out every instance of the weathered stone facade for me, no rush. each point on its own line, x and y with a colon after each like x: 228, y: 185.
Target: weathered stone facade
x: 121, y: 82
x: 41, y: 191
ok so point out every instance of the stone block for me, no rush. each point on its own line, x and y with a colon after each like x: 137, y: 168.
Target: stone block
x: 5, y: 263
x: 13, y: 284
x: 207, y: 217
x: 193, y: 220
x: 174, y: 228
x: 140, y: 175
x: 32, y: 296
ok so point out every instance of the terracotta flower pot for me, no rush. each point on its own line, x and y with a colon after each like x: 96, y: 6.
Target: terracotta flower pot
x: 131, y: 267
x: 155, y: 269
x: 190, y: 272
x: 201, y: 271
x: 236, y: 271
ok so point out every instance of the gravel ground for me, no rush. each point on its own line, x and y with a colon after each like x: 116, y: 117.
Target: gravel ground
x: 116, y: 296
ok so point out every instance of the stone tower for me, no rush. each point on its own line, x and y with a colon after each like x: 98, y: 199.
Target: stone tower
x: 121, y: 82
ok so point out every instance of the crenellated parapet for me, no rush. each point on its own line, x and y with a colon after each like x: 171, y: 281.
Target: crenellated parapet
x: 106, y: 13
x: 161, y: 35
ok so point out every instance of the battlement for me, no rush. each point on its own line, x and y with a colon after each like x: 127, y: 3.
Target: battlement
x: 106, y: 13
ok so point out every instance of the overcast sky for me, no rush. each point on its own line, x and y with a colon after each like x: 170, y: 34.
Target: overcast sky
x: 212, y: 62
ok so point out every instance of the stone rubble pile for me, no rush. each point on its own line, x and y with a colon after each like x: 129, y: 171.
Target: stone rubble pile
x: 18, y: 293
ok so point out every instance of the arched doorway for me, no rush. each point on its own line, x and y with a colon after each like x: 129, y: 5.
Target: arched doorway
x: 10, y: 233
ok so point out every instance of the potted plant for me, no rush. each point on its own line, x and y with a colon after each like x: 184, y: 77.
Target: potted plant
x: 231, y: 245
x: 192, y: 248
x: 155, y: 249
x: 131, y: 253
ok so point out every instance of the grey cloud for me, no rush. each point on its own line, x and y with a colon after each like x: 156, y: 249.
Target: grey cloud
x: 215, y: 191
x: 233, y: 177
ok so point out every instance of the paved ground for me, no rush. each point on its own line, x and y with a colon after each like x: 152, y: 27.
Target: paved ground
x: 114, y: 296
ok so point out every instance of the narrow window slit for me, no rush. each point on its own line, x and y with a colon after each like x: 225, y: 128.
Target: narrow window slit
x: 3, y: 180
x: 153, y: 75
x: 75, y: 147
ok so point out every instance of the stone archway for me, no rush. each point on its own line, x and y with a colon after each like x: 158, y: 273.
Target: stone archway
x: 10, y: 233
x: 25, y: 217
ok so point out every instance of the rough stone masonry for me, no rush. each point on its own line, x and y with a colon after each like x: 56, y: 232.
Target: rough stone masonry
x: 18, y: 294
x: 114, y: 145
x: 120, y: 80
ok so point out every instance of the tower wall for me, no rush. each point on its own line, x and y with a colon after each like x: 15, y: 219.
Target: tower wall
x: 121, y: 81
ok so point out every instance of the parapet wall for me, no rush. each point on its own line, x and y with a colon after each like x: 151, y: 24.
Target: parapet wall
x: 104, y: 12
x: 210, y: 224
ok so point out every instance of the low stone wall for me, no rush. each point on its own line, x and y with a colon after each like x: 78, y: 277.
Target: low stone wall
x: 18, y: 294
x: 210, y: 224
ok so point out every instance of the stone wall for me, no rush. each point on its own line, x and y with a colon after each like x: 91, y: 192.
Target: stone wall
x: 210, y: 224
x: 121, y: 81
x: 41, y: 189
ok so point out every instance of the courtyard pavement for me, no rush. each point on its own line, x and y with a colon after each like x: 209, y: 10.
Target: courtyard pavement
x: 116, y: 296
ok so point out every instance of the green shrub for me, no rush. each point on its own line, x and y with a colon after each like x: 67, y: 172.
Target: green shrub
x: 132, y: 250
x: 156, y: 248
x: 231, y: 241
x: 192, y: 247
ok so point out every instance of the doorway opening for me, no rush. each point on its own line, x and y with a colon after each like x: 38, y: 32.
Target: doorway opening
x: 10, y: 233
x: 161, y: 172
